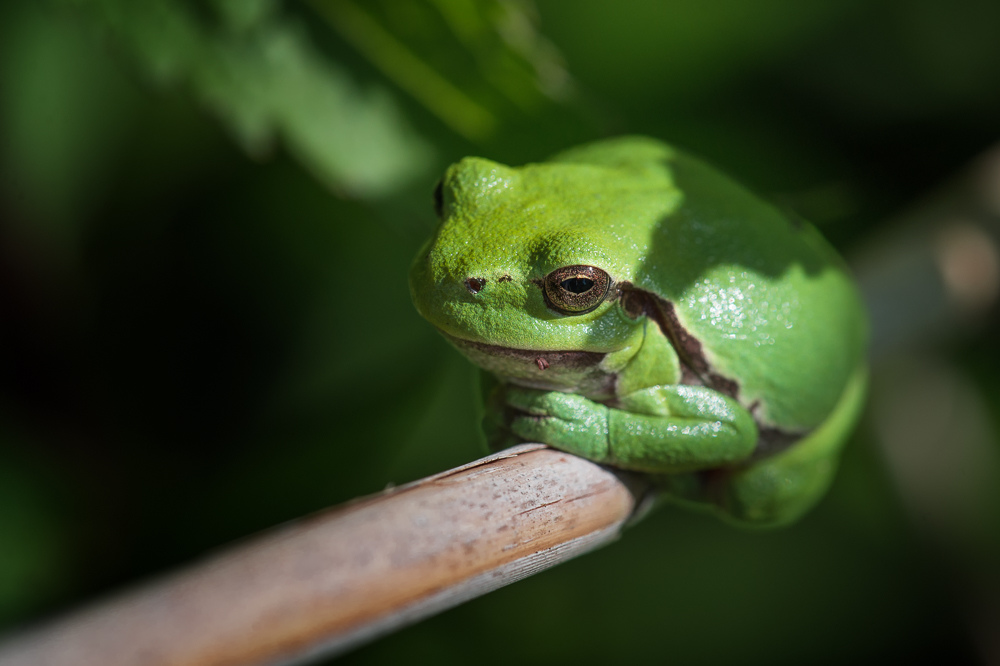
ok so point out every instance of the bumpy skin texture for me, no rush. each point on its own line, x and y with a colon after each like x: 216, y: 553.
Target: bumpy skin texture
x: 727, y: 358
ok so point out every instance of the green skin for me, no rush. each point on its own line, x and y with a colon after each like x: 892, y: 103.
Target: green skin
x: 726, y: 358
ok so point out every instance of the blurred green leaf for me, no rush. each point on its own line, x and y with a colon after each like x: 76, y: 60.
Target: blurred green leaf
x: 260, y: 73
x: 469, y: 62
x: 474, y: 64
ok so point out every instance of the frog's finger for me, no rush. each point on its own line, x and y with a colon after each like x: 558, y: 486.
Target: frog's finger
x: 587, y: 439
x: 531, y: 401
x: 568, y: 406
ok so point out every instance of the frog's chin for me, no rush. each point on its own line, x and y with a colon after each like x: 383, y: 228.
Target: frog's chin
x: 558, y: 370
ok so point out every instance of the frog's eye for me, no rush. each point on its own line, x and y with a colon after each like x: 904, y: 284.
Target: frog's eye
x: 576, y: 289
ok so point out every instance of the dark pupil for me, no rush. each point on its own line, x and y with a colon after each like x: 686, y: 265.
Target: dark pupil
x: 577, y: 285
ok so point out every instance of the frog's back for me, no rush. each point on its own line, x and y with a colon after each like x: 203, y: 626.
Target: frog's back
x: 769, y: 300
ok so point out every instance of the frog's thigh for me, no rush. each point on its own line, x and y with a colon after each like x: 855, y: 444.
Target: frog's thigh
x: 780, y: 489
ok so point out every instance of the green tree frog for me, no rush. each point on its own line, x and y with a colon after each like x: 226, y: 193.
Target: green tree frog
x: 638, y: 308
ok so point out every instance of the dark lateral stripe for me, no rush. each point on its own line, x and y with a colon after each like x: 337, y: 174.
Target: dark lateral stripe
x: 695, y: 367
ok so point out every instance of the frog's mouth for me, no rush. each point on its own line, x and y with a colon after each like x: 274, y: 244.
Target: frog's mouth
x: 543, y: 360
x: 570, y: 370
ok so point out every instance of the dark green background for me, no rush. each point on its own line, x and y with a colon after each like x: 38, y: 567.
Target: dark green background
x: 204, y: 332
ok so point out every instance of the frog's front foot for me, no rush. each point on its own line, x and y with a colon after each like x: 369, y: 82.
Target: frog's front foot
x: 660, y: 429
x: 564, y: 421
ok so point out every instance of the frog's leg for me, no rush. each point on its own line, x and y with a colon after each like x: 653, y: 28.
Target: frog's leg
x: 671, y: 428
x: 776, y: 490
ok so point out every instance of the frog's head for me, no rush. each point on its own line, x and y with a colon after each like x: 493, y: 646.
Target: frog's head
x: 524, y: 271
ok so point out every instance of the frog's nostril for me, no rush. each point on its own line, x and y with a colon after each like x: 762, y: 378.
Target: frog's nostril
x: 474, y: 284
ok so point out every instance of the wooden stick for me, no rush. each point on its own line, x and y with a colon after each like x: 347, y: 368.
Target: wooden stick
x: 331, y: 581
